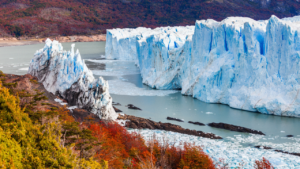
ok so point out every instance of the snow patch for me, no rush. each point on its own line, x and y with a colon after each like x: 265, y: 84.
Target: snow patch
x: 60, y: 102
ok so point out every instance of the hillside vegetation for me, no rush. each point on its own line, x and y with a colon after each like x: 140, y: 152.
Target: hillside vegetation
x: 67, y: 17
x: 37, y: 133
x: 31, y: 137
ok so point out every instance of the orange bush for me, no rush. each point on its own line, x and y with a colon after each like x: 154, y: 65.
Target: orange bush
x: 128, y: 150
x: 169, y: 156
x: 119, y: 147
x: 263, y: 164
x: 194, y: 157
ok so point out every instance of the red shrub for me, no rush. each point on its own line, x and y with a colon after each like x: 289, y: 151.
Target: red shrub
x: 263, y: 164
x: 118, y: 146
x: 194, y: 157
x: 128, y: 150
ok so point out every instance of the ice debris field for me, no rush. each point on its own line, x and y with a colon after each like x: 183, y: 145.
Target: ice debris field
x: 246, y: 64
x: 233, y: 153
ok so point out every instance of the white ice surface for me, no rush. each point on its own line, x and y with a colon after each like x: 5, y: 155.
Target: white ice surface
x: 246, y: 64
x: 60, y: 102
x: 64, y: 72
x: 24, y: 69
x: 72, y: 107
x: 232, y: 151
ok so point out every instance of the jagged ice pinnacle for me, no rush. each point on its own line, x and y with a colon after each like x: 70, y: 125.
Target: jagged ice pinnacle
x: 65, y: 73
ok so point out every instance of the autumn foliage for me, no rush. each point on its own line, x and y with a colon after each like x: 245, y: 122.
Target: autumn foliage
x: 67, y: 17
x: 263, y: 164
x: 123, y: 149
x: 32, y: 138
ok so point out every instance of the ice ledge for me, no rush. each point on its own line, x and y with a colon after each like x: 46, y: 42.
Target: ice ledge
x: 246, y: 64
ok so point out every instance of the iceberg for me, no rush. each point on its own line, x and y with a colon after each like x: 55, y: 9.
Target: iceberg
x: 66, y: 74
x: 244, y: 63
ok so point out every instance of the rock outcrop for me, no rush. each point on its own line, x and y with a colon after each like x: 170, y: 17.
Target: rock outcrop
x: 141, y: 123
x: 234, y: 128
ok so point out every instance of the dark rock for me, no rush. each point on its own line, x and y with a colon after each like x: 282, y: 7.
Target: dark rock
x: 117, y: 110
x: 197, y: 123
x: 141, y: 123
x: 175, y: 119
x: 289, y: 136
x: 131, y: 106
x: 235, y: 128
x: 264, y: 147
x: 280, y: 151
x: 82, y: 115
x: 295, y: 154
x: 116, y: 104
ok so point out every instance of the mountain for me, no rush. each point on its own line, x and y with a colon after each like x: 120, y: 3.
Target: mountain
x: 67, y: 17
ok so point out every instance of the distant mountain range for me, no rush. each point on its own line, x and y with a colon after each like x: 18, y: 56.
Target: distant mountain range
x: 73, y: 17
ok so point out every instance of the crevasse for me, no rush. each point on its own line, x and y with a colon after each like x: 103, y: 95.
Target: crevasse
x: 65, y: 74
x: 246, y: 64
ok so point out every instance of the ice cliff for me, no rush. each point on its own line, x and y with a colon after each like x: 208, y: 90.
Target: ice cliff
x: 247, y: 64
x: 65, y: 73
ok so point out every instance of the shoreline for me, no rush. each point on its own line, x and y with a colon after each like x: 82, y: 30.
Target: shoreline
x: 214, y: 147
x: 12, y: 41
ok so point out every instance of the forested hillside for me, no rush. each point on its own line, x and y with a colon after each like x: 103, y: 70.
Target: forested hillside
x: 68, y: 17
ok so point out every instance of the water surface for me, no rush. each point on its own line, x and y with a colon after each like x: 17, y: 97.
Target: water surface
x: 124, y: 78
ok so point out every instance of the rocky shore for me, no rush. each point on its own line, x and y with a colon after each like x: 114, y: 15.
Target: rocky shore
x: 141, y: 123
x: 28, y: 84
x: 12, y: 41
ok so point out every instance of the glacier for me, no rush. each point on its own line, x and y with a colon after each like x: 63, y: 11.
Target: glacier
x: 244, y: 63
x: 65, y: 74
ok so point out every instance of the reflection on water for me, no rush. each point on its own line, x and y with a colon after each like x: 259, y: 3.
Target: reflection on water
x: 16, y: 60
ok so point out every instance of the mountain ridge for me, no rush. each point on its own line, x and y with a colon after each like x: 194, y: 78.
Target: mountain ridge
x: 84, y: 17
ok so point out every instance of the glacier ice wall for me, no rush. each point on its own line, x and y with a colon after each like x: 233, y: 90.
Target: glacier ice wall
x: 123, y: 43
x: 65, y: 74
x: 247, y: 64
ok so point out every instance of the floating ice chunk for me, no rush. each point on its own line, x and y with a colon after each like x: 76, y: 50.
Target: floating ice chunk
x: 24, y: 69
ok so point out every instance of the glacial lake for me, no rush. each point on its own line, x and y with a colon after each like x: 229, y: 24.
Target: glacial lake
x: 126, y: 87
